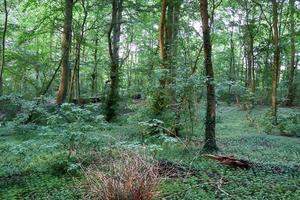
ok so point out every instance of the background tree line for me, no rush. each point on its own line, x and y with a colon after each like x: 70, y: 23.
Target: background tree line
x: 172, y: 53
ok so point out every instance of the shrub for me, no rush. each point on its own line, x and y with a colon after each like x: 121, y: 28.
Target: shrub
x: 152, y: 127
x: 129, y: 177
x: 288, y: 125
x: 19, y: 115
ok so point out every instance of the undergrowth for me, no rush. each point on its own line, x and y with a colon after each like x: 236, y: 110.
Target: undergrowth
x: 58, y: 157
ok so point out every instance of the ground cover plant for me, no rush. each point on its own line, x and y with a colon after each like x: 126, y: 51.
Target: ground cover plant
x: 45, y: 163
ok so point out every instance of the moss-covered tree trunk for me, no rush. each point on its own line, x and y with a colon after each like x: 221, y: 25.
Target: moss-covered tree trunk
x: 3, y: 46
x: 66, y: 39
x: 276, y: 59
x: 291, y: 93
x: 168, y: 33
x: 165, y: 97
x: 114, y: 35
x: 210, y: 123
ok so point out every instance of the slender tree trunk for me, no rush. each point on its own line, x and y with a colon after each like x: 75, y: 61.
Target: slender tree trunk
x: 168, y: 32
x: 276, y: 60
x: 291, y: 95
x: 3, y: 47
x: 161, y: 97
x: 253, y: 78
x: 249, y: 64
x: 245, y: 61
x: 210, y: 123
x: 95, y: 70
x: 75, y: 81
x: 173, y: 17
x: 114, y: 35
x: 162, y: 31
x: 249, y: 46
x: 232, y: 71
x: 66, y: 45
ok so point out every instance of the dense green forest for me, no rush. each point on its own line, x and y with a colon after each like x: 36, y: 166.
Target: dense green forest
x: 149, y: 99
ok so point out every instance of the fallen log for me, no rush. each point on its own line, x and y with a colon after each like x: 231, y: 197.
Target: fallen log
x: 83, y: 101
x: 230, y: 161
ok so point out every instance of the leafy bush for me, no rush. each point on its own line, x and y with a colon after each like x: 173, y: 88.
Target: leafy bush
x: 290, y: 125
x: 62, y: 165
x: 19, y: 115
x: 152, y: 127
x: 76, y: 117
x: 287, y: 125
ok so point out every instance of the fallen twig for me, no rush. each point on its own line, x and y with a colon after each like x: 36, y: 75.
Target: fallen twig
x: 219, y: 186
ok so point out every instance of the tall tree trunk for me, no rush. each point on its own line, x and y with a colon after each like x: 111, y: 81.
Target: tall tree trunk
x: 75, y: 81
x: 232, y: 71
x: 276, y: 60
x: 160, y: 100
x: 210, y: 123
x: 291, y: 95
x: 95, y: 70
x: 250, y: 61
x: 162, y: 30
x: 249, y: 46
x: 3, y: 47
x: 66, y: 39
x: 168, y: 32
x: 114, y: 35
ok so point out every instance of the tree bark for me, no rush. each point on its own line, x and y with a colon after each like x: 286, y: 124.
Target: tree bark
x: 210, y: 123
x: 95, y: 70
x: 165, y: 98
x: 66, y: 39
x: 291, y: 95
x: 162, y: 30
x: 3, y: 47
x: 75, y: 81
x: 114, y: 35
x: 276, y: 59
x: 232, y: 70
x: 249, y: 47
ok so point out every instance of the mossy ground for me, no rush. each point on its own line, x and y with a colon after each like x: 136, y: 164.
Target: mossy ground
x: 26, y: 165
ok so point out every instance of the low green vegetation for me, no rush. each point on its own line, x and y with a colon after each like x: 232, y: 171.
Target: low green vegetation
x: 50, y: 160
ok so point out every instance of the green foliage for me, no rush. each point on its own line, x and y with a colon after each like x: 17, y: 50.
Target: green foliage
x: 39, y: 164
x: 21, y: 115
x: 287, y: 124
x: 152, y: 127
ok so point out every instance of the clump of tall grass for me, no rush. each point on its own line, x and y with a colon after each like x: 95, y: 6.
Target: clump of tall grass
x: 129, y: 177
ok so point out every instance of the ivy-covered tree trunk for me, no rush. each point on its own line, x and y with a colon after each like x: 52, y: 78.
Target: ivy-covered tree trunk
x: 161, y: 100
x: 276, y: 59
x: 114, y: 35
x: 291, y: 93
x: 210, y: 123
x: 165, y: 97
x: 66, y: 39
x: 3, y: 47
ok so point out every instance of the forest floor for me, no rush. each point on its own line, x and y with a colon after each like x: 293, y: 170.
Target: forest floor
x: 31, y: 161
